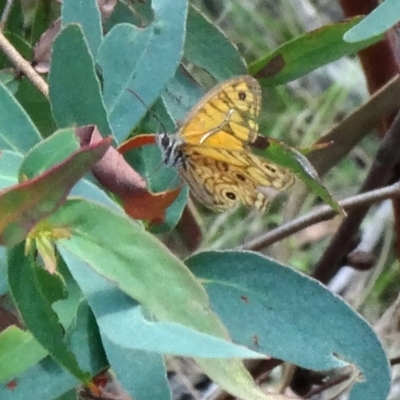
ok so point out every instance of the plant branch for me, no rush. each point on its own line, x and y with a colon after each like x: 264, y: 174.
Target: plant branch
x: 381, y: 171
x: 22, y: 65
x: 321, y: 214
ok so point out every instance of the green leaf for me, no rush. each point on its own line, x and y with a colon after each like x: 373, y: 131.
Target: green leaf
x: 9, y: 165
x: 287, y: 315
x: 307, y: 52
x: 139, y: 14
x: 70, y: 395
x: 29, y: 294
x: 381, y: 19
x: 183, y: 302
x: 142, y: 374
x: 7, y: 78
x: 86, y: 13
x: 75, y: 92
x: 112, y: 308
x: 181, y: 94
x: 19, y: 350
x: 142, y: 61
x: 117, y: 309
x: 49, y: 379
x: 17, y: 131
x: 207, y: 47
x: 15, y: 20
x: 36, y: 105
x: 44, y: 14
x: 88, y: 190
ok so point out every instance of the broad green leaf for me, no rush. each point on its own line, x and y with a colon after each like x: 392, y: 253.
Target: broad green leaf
x: 17, y: 131
x: 9, y: 165
x: 30, y: 289
x: 7, y: 78
x: 181, y: 94
x: 113, y: 309
x: 19, y: 350
x: 88, y: 190
x: 116, y: 309
x: 47, y: 380
x: 87, y: 14
x: 15, y: 22
x: 43, y: 15
x: 307, y: 52
x: 26, y: 204
x: 70, y: 395
x: 132, y: 258
x: 139, y: 14
x: 384, y: 17
x: 207, y: 47
x: 142, y: 61
x: 142, y: 374
x: 75, y: 92
x: 36, y: 105
x: 67, y: 309
x: 287, y: 315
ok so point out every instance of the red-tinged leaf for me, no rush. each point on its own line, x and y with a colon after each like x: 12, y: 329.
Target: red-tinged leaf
x: 294, y: 159
x: 136, y: 142
x: 24, y: 205
x: 149, y: 206
x: 42, y: 49
x: 114, y: 173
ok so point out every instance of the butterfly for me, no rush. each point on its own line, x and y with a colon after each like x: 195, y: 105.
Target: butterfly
x: 212, y: 153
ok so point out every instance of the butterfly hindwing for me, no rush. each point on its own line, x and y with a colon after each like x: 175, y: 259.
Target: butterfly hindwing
x: 220, y: 178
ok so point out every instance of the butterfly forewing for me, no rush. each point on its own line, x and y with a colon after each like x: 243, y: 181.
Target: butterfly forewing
x: 232, y: 106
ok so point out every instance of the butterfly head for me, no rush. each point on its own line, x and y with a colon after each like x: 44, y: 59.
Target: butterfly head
x: 171, y: 149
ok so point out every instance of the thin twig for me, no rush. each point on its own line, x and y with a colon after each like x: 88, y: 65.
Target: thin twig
x: 22, y: 65
x: 321, y: 214
x: 359, y: 122
x: 6, y: 13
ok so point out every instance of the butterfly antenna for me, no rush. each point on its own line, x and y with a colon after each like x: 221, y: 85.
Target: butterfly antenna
x: 163, y: 126
x: 148, y: 109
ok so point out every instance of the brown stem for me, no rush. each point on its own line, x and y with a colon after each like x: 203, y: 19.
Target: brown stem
x: 22, y: 65
x: 321, y: 214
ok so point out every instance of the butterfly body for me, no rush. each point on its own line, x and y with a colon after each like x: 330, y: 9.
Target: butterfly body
x: 212, y: 154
